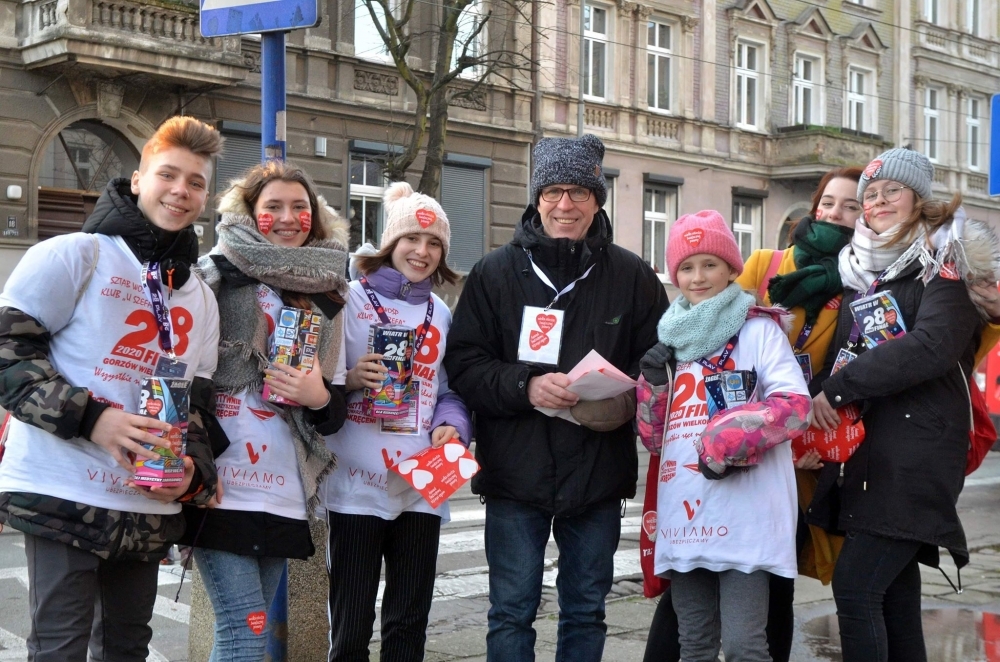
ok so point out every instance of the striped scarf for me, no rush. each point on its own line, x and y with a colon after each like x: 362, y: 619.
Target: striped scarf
x: 868, y: 255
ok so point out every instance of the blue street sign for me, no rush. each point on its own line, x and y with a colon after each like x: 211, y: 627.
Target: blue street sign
x: 995, y: 145
x: 228, y: 17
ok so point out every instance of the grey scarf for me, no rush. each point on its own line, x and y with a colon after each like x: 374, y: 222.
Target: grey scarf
x: 243, y: 334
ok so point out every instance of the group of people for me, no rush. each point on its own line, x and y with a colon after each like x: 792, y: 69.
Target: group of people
x: 739, y: 364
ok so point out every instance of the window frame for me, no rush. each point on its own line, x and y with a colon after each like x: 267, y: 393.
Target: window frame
x: 366, y: 193
x: 754, y: 228
x: 813, y: 85
x: 745, y: 75
x: 866, y: 99
x: 590, y: 38
x: 932, y: 123
x: 974, y: 17
x: 932, y: 11
x: 654, y: 218
x: 974, y: 133
x: 660, y: 53
x: 481, y: 43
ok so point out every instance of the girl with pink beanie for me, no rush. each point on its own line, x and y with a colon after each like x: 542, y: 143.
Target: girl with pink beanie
x: 718, y: 397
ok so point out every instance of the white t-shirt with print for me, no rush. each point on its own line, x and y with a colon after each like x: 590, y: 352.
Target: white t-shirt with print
x: 259, y: 470
x: 363, y: 483
x: 107, y: 341
x: 745, y: 521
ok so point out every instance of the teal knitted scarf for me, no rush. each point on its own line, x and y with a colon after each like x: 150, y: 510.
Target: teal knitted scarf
x: 695, y: 331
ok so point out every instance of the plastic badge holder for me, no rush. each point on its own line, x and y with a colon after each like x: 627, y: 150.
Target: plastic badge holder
x: 878, y: 318
x: 168, y: 400
x: 392, y: 399
x: 295, y: 338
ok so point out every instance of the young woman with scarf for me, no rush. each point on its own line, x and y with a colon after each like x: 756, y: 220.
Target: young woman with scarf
x: 279, y: 245
x: 897, y: 493
x: 374, y: 515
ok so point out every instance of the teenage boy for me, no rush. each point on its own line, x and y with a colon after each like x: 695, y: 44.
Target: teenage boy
x: 83, y: 318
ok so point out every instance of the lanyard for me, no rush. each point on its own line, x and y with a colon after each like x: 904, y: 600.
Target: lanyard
x: 377, y: 305
x: 855, y: 331
x: 151, y: 279
x: 803, y: 337
x: 545, y: 279
x: 720, y: 365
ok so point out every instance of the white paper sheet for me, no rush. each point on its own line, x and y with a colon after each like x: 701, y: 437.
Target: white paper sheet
x: 593, y: 378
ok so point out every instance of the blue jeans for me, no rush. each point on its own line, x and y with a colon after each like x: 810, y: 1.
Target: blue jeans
x: 241, y: 589
x: 516, y: 535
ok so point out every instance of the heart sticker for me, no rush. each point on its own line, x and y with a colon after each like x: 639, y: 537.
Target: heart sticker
x: 425, y: 217
x: 453, y: 451
x: 305, y: 220
x: 256, y: 621
x: 649, y: 523
x: 421, y: 478
x: 406, y: 466
x: 873, y: 169
x: 694, y: 236
x: 537, y: 340
x: 154, y: 406
x: 545, y: 322
x: 467, y: 468
x: 264, y: 222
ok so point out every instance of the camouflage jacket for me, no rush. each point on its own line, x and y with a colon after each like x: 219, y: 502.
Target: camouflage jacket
x: 35, y: 393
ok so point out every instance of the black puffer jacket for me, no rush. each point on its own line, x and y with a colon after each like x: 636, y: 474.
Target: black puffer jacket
x: 525, y: 455
x: 904, y: 480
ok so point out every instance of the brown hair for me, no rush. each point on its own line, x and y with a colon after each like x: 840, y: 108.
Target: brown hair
x: 929, y: 213
x: 184, y: 132
x: 852, y: 173
x: 368, y: 264
x: 252, y: 186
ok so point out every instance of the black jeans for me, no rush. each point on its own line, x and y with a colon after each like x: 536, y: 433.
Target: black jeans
x: 877, y: 588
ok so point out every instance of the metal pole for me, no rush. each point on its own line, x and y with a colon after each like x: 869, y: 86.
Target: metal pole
x: 272, y: 96
x: 583, y: 57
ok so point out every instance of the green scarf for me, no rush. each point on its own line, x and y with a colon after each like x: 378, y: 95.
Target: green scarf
x: 816, y: 278
x: 695, y: 331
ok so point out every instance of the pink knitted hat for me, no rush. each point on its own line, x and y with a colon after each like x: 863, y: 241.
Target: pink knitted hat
x: 704, y: 232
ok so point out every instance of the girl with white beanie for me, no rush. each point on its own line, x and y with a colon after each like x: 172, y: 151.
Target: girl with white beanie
x: 373, y: 514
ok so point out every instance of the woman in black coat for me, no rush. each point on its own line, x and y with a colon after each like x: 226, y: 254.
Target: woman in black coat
x: 898, y: 492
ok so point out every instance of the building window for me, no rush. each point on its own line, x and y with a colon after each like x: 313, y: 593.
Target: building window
x: 368, y: 44
x: 658, y: 44
x: 748, y: 215
x: 932, y: 11
x: 973, y: 10
x: 859, y: 100
x: 470, y: 19
x: 463, y: 198
x: 609, y: 205
x: 749, y: 65
x: 595, y: 32
x: 932, y: 122
x: 974, y: 126
x: 806, y: 88
x: 659, y: 204
x: 367, y: 186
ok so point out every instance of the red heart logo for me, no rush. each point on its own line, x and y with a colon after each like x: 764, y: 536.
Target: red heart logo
x: 694, y: 237
x: 256, y: 621
x: 265, y: 222
x: 425, y: 217
x: 305, y: 221
x: 873, y: 169
x: 154, y: 406
x: 890, y: 317
x: 545, y: 322
x: 537, y: 340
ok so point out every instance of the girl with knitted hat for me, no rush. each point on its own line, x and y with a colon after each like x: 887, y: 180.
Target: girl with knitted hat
x: 374, y: 515
x: 718, y: 397
x: 279, y: 245
x: 896, y: 495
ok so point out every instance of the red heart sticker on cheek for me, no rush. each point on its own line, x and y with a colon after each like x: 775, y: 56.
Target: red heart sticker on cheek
x: 305, y: 220
x: 256, y: 621
x: 154, y: 406
x: 425, y: 217
x: 264, y: 223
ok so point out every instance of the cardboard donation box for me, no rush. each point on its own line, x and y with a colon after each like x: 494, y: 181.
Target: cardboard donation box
x: 165, y: 399
x: 436, y: 473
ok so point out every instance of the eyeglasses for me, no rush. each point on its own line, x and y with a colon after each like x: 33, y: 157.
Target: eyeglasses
x: 555, y: 193
x: 889, y: 193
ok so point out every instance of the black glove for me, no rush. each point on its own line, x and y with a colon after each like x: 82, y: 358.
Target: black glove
x: 654, y: 364
x: 709, y: 474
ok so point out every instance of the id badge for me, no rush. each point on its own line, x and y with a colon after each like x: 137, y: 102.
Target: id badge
x: 805, y: 362
x: 844, y: 356
x: 728, y: 389
x: 541, y: 335
x: 170, y: 368
x: 409, y: 424
x: 878, y: 318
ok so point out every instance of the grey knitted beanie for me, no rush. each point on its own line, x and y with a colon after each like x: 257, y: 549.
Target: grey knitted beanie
x: 906, y: 166
x: 569, y: 161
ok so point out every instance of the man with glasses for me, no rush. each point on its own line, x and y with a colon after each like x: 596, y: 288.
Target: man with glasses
x: 530, y: 311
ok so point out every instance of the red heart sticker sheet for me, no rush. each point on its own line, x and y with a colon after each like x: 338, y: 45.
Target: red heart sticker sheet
x: 436, y: 473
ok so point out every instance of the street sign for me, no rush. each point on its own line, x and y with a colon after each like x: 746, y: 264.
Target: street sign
x: 230, y: 17
x: 994, y: 185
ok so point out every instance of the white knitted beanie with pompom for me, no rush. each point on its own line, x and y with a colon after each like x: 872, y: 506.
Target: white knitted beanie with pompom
x: 407, y: 212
